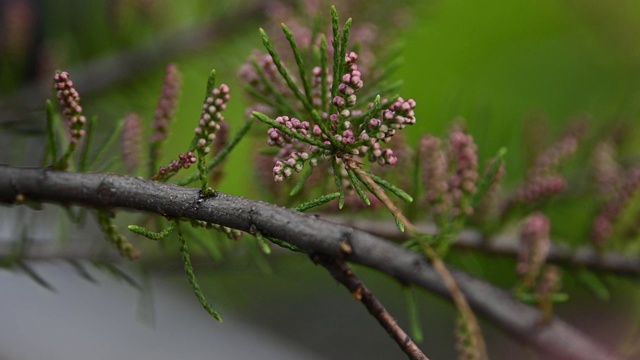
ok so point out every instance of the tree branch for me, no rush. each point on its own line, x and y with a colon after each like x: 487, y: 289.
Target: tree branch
x: 582, y: 257
x: 309, y: 232
x: 343, y: 274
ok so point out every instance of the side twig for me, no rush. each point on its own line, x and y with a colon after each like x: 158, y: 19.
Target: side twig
x: 454, y: 289
x: 344, y: 275
x: 583, y: 257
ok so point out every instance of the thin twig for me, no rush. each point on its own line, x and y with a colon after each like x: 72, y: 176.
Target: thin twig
x: 583, y: 257
x: 344, y: 275
x: 451, y: 284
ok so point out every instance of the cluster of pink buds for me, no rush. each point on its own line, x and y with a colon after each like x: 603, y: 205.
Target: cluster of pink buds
x: 534, y: 246
x: 613, y: 209
x: 340, y: 137
x: 184, y: 161
x: 434, y: 174
x: 211, y: 117
x: 350, y: 84
x: 131, y: 141
x: 462, y: 183
x: 167, y: 103
x: 450, y: 181
x: 292, y: 156
x: 69, y: 100
x: 396, y: 117
x: 543, y: 180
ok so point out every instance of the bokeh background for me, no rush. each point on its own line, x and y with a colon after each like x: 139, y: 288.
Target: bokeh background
x: 517, y: 72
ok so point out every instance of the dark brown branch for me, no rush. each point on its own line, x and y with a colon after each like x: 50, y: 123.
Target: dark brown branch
x: 555, y: 339
x: 344, y: 275
x: 583, y: 257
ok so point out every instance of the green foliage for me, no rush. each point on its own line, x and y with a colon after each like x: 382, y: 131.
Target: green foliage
x: 151, y: 235
x: 188, y: 268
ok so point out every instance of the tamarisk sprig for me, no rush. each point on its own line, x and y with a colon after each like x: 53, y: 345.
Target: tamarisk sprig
x: 126, y: 249
x: 186, y: 258
x: 215, y: 103
x: 543, y: 178
x: 184, y: 161
x: 69, y: 100
x: 341, y: 132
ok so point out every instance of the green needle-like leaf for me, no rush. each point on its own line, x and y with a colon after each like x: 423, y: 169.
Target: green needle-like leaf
x: 106, y: 144
x: 594, y: 284
x: 338, y: 180
x: 323, y: 75
x: 211, y: 83
x: 317, y: 202
x: 285, y: 245
x: 262, y: 243
x: 186, y: 258
x: 488, y: 179
x: 387, y: 185
x: 344, y: 42
x: 84, y: 155
x: 283, y: 71
x: 299, y: 62
x: 35, y: 276
x: 414, y: 317
x: 356, y: 185
x: 283, y: 103
x: 337, y: 60
x: 52, y: 146
x: 305, y: 176
x: 151, y: 234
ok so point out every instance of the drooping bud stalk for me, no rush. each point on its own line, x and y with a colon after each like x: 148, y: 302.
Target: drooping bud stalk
x: 184, y: 161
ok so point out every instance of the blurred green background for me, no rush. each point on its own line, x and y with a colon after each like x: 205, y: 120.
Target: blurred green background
x: 506, y: 67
